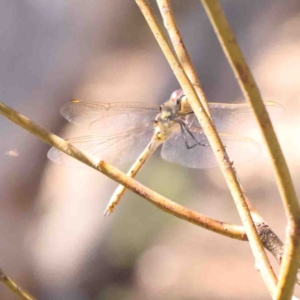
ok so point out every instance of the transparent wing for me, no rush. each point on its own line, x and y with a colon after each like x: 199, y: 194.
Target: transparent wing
x: 117, y: 148
x: 201, y: 156
x: 108, y: 117
x: 237, y: 118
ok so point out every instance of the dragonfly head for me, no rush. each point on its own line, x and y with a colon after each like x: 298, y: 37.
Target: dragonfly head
x: 180, y: 101
x: 171, y: 108
x: 176, y: 97
x: 170, y: 111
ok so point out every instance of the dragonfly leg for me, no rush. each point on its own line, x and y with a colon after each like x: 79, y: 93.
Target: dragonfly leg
x: 190, y: 125
x: 184, y: 129
x: 184, y: 136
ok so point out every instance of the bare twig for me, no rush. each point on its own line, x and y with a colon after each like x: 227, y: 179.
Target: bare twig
x: 233, y: 231
x: 226, y: 229
x: 13, y: 286
x: 180, y: 49
x: 290, y: 261
x: 216, y: 144
x: 184, y: 58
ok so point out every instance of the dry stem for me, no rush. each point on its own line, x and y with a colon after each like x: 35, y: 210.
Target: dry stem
x: 12, y: 285
x: 216, y: 144
x: 226, y: 229
x: 229, y: 230
x: 180, y: 49
x: 290, y: 261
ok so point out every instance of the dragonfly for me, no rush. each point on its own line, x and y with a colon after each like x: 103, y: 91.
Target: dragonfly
x: 132, y: 131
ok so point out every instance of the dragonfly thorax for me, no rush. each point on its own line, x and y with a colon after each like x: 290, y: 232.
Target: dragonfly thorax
x: 167, y: 118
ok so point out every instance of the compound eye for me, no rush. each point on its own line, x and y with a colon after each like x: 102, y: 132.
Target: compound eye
x: 176, y: 96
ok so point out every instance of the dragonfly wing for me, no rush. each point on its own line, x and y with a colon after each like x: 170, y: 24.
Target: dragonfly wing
x: 237, y: 118
x: 108, y: 117
x: 116, y: 148
x: 201, y: 156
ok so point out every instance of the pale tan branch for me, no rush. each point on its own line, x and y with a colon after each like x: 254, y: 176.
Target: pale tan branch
x: 185, y: 60
x: 225, y: 164
x: 180, y: 49
x: 290, y: 261
x: 233, y: 231
x: 14, y: 287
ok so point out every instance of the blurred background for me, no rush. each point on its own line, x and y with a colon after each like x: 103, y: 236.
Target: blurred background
x: 54, y: 240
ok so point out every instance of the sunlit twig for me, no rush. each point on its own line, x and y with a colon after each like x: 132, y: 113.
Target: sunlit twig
x: 14, y: 287
x: 217, y: 147
x: 290, y: 260
x: 233, y: 231
x: 180, y: 50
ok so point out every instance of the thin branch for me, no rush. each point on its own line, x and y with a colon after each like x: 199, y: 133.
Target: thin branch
x: 233, y: 231
x: 180, y: 49
x: 260, y: 256
x: 229, y: 230
x: 269, y: 239
x: 13, y: 286
x: 185, y: 60
x: 290, y: 261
